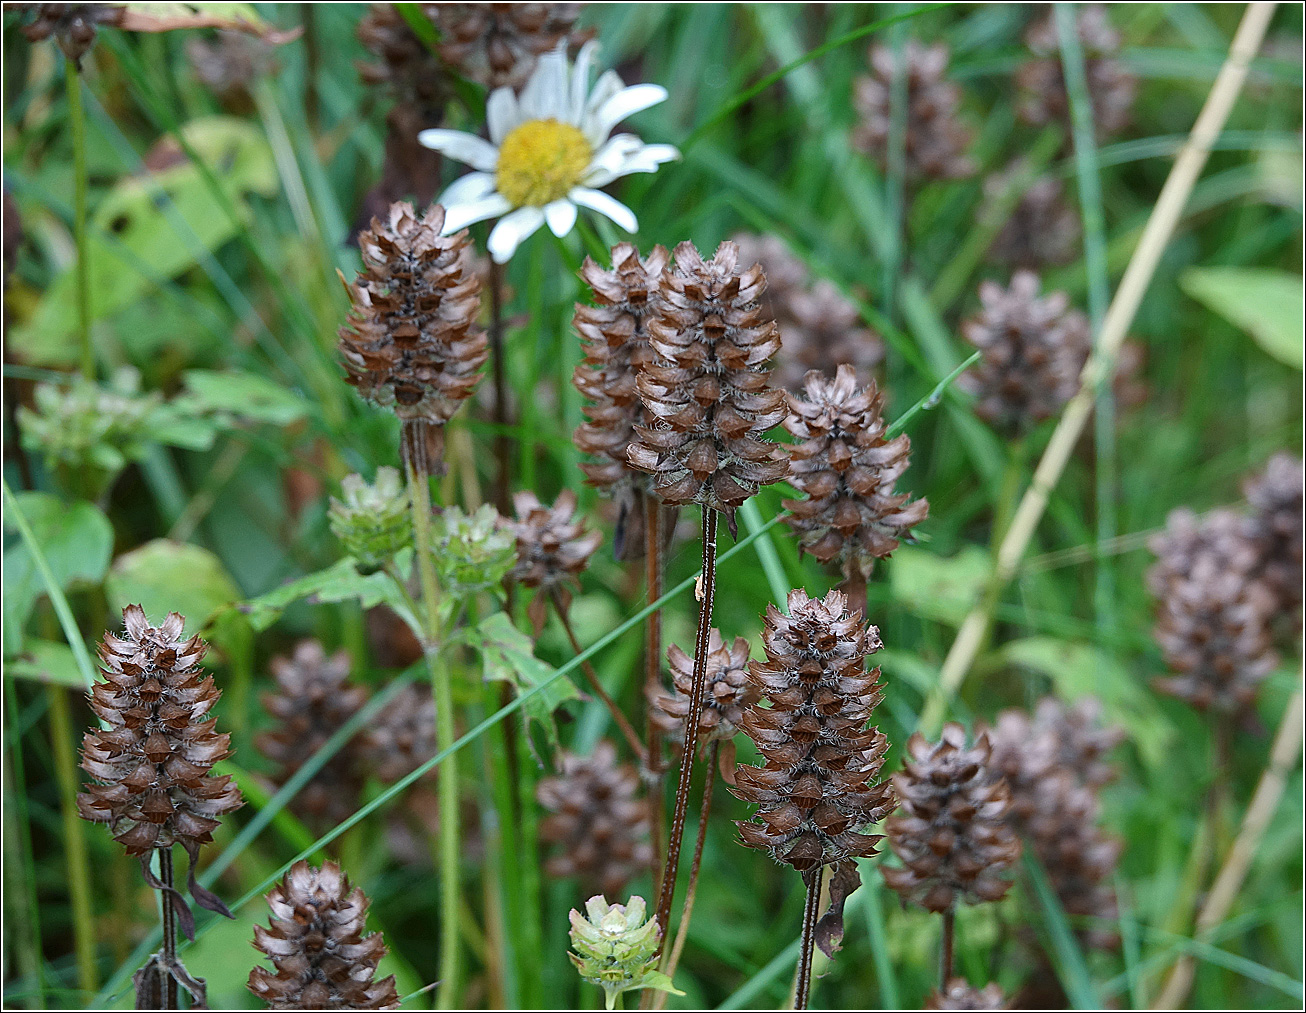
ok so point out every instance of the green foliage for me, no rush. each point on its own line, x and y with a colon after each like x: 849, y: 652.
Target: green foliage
x: 1264, y: 302
x: 340, y: 582
x: 163, y: 576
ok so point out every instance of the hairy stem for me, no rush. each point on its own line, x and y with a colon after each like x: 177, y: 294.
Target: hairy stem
x: 501, y: 448
x: 946, y: 959
x: 170, y: 999
x: 77, y: 121
x: 592, y: 677
x: 420, y: 497
x: 682, y: 930
x: 79, y: 879
x: 706, y: 594
x: 803, y: 983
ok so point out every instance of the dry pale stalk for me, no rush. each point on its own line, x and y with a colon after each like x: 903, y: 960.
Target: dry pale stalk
x: 1120, y: 315
x: 1223, y: 893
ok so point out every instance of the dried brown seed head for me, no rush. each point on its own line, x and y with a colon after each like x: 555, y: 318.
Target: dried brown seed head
x: 1043, y: 230
x: 497, y: 44
x: 728, y: 691
x: 402, y: 737
x: 848, y: 469
x: 552, y: 549
x: 1275, y: 495
x: 320, y: 957
x: 72, y: 25
x: 961, y: 995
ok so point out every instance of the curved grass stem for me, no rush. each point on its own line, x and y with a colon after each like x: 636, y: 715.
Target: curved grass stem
x: 77, y: 122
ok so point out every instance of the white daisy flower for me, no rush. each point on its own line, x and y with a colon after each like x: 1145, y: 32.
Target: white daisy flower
x: 548, y: 152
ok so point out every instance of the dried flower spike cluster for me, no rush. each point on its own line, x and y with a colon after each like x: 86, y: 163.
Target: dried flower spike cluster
x: 1214, y: 609
x: 595, y: 817
x: 1032, y: 352
x: 497, y: 44
x: 961, y: 995
x: 72, y: 25
x: 1275, y: 496
x: 411, y: 343
x: 152, y: 765
x: 312, y: 702
x: 820, y: 327
x: 728, y: 691
x: 1043, y: 230
x: 402, y: 737
x: 320, y: 957
x: 1041, y: 81
x: 617, y: 349
x: 617, y: 948
x: 951, y: 831
x: 935, y: 139
x: 552, y: 549
x: 819, y: 784
x: 709, y: 388
x: 1054, y: 764
x: 848, y: 469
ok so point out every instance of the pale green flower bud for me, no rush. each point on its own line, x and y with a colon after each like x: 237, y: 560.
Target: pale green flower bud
x: 372, y: 521
x: 617, y: 948
x: 471, y: 553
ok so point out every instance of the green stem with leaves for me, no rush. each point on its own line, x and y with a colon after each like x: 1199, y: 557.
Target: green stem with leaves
x: 420, y: 497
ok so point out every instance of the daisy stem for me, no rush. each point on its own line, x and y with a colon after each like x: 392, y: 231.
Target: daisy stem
x: 682, y: 930
x: 707, y: 593
x: 77, y: 121
x: 627, y: 730
x: 420, y: 497
x: 501, y: 449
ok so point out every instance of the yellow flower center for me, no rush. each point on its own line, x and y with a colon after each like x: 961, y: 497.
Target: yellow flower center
x: 540, y: 161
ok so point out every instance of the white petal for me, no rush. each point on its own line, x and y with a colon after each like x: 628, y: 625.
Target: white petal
x: 605, y: 87
x: 502, y: 114
x: 460, y: 146
x: 459, y: 216
x: 561, y: 216
x: 511, y: 230
x: 580, y: 80
x: 619, y: 157
x: 609, y: 207
x: 627, y: 102
x: 466, y: 189
x: 545, y: 94
x: 615, y: 151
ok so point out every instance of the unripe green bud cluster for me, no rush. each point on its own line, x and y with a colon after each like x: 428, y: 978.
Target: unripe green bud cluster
x: 617, y: 948
x: 472, y: 552
x: 373, y: 522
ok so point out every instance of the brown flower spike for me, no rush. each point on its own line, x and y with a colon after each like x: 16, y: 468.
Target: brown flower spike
x: 1275, y: 495
x: 411, y: 343
x: 709, y: 389
x: 312, y: 702
x: 320, y: 957
x: 152, y: 765
x: 497, y: 44
x: 848, y: 469
x: 594, y: 816
x: 951, y: 831
x: 819, y: 784
x: 729, y: 691
x: 552, y: 549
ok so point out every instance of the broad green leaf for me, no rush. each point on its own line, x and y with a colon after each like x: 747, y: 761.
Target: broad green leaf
x: 245, y: 395
x: 1083, y: 670
x: 509, y: 655
x: 340, y: 582
x: 46, y: 661
x: 163, y: 576
x: 150, y: 228
x: 77, y: 540
x: 938, y: 587
x: 1264, y: 302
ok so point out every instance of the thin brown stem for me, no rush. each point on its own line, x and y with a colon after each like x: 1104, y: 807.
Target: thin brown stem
x: 627, y: 729
x: 946, y: 960
x: 501, y: 447
x: 803, y: 985
x: 706, y: 594
x: 170, y: 999
x: 682, y: 930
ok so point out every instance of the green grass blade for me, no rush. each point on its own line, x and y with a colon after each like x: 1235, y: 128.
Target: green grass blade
x: 1068, y: 957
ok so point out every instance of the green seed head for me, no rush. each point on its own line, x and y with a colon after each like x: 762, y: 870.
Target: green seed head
x: 372, y: 521
x: 617, y: 947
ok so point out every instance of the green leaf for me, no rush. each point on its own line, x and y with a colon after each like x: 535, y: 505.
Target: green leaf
x: 341, y: 582
x: 938, y: 587
x: 1264, y: 302
x: 151, y: 228
x: 244, y: 395
x: 509, y: 655
x: 1083, y: 670
x: 163, y: 576
x: 77, y: 541
x: 1069, y: 957
x: 47, y: 661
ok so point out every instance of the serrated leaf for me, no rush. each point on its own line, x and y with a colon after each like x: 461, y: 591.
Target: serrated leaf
x: 1264, y: 302
x: 938, y: 587
x: 77, y: 541
x: 1083, y: 670
x: 340, y: 582
x: 48, y: 662
x: 149, y: 228
x: 163, y: 576
x: 244, y: 395
x: 509, y: 655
